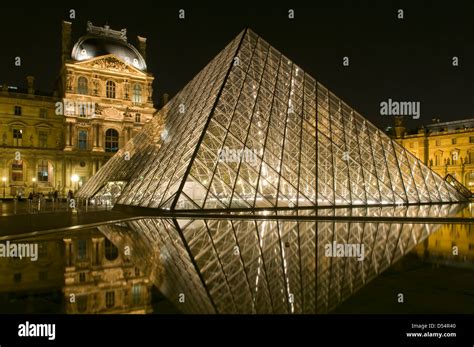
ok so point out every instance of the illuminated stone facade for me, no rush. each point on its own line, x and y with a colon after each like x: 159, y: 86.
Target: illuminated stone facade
x: 447, y: 148
x: 102, y: 98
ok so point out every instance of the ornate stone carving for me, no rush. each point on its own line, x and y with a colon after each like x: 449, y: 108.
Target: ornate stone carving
x: 106, y: 31
x: 69, y: 79
x: 126, y: 90
x: 110, y: 63
x: 96, y: 85
x: 127, y: 113
x: 150, y: 92
x: 98, y: 109
x: 112, y: 112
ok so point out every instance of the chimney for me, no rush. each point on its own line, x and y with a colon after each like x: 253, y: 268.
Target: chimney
x: 142, y: 46
x: 400, y: 128
x: 30, y: 81
x: 66, y: 41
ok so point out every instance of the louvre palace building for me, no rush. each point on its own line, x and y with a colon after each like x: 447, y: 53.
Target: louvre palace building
x: 102, y: 98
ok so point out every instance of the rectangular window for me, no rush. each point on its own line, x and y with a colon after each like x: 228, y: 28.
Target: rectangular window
x: 82, y: 140
x: 137, y: 94
x: 136, y: 294
x: 82, y: 277
x: 454, y: 141
x: 110, y: 299
x: 43, y: 113
x: 43, y: 139
x: 471, y: 139
x: 81, y: 249
x: 138, y: 118
x: 17, y: 110
x: 17, y: 137
x: 82, y: 85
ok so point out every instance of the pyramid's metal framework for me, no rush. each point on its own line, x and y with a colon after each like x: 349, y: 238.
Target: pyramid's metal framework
x: 253, y: 130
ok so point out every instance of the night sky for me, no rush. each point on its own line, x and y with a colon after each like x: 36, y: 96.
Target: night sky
x: 405, y: 60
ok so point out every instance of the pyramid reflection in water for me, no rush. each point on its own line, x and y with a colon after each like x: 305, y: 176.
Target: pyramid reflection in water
x: 265, y: 266
x: 253, y: 130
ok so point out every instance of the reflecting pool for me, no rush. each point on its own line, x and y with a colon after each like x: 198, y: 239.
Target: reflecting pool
x: 286, y: 262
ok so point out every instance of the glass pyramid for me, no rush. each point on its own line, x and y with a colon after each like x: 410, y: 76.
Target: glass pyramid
x: 253, y: 130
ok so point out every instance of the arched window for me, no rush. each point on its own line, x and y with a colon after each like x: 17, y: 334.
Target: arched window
x: 110, y: 89
x: 138, y: 118
x: 82, y: 85
x: 137, y: 94
x: 111, y: 252
x: 43, y: 172
x: 111, y: 140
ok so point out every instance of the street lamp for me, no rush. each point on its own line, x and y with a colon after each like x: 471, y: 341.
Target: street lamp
x: 4, y: 180
x: 74, y: 179
x: 34, y: 184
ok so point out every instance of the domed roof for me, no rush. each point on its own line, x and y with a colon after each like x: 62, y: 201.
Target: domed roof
x: 102, y: 41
